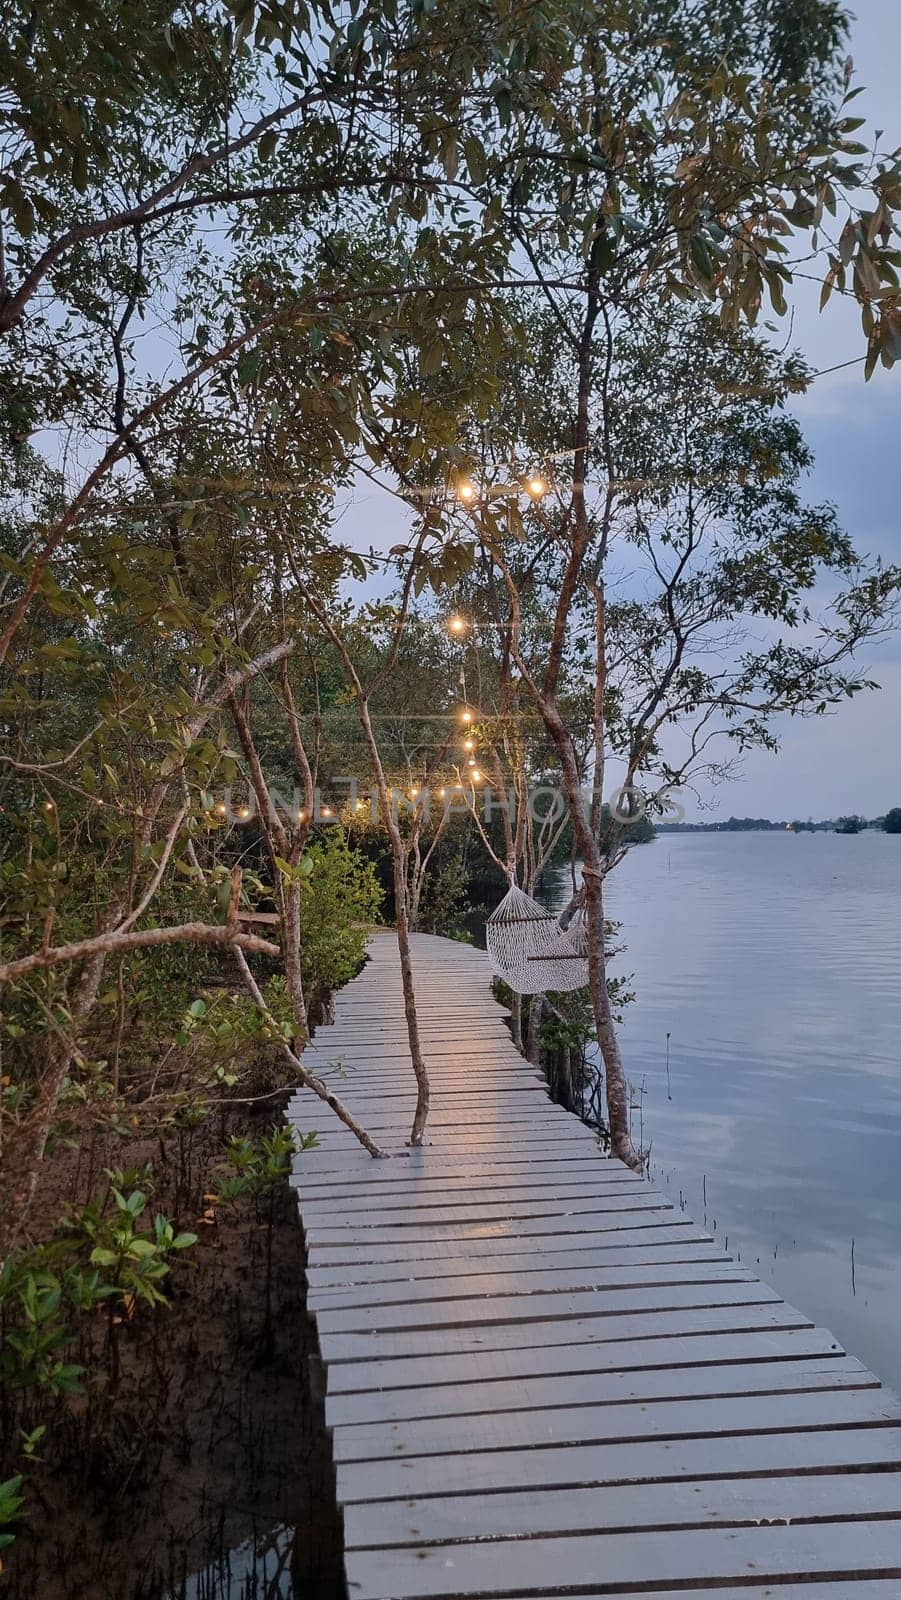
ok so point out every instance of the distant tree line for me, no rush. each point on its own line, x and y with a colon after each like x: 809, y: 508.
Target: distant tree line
x: 890, y: 823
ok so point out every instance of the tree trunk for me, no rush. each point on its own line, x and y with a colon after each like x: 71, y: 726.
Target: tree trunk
x: 617, y: 1089
x: 516, y: 1020
x: 536, y: 1007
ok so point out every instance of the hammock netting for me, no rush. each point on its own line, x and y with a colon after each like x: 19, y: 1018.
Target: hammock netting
x: 529, y: 950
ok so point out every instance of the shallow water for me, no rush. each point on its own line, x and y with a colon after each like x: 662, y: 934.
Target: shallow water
x: 773, y: 962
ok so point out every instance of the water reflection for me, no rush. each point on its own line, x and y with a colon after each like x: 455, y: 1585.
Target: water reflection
x: 260, y: 1569
x: 773, y: 961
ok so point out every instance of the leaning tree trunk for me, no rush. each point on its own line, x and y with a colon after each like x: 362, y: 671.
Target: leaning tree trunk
x: 402, y: 922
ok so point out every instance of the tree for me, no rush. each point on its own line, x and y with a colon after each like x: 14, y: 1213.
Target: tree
x: 891, y: 822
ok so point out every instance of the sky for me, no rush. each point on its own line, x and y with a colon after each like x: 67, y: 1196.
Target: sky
x: 848, y: 761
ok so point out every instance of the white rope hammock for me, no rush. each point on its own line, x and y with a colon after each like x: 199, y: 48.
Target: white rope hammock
x: 529, y: 950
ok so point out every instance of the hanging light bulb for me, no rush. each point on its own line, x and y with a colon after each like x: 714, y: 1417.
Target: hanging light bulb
x: 245, y: 812
x: 457, y: 625
x: 466, y: 491
x: 476, y: 775
x: 468, y: 744
x: 466, y: 715
x: 536, y: 486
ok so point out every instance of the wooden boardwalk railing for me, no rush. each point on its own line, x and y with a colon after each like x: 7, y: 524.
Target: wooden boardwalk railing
x: 543, y: 1380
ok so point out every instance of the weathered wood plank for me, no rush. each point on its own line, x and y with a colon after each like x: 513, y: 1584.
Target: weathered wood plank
x: 712, y: 1556
x: 598, y: 1388
x: 691, y: 1264
x: 677, y: 1244
x: 644, y: 1461
x: 586, y: 1424
x: 423, y: 1301
x: 721, y: 1502
x: 563, y: 1323
x: 696, y: 1335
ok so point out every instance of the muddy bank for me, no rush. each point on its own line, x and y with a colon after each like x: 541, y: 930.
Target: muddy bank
x: 196, y: 1464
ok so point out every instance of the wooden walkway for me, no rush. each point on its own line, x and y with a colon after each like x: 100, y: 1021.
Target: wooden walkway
x: 543, y: 1380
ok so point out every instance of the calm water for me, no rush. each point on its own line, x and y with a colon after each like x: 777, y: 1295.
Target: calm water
x: 773, y: 961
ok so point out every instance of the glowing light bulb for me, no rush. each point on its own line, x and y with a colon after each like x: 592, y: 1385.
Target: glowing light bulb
x: 466, y: 715
x: 466, y: 491
x: 457, y: 625
x: 471, y: 762
x: 476, y: 775
x: 48, y: 805
x: 327, y: 811
x: 220, y: 809
x: 245, y: 811
x: 468, y: 744
x: 536, y: 487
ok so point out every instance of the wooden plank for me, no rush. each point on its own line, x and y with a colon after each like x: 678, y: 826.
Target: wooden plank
x: 713, y: 1556
x: 831, y: 1589
x: 554, y: 1200
x: 532, y: 1286
x: 473, y: 1192
x: 522, y: 1515
x: 512, y: 1249
x: 688, y: 1417
x: 599, y: 1388
x: 643, y: 1461
x: 712, y: 1334
x: 571, y: 1323
x: 678, y: 1244
x: 348, y: 1166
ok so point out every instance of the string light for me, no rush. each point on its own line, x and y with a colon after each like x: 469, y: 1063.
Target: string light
x: 466, y: 491
x: 457, y: 625
x: 476, y: 775
x: 536, y: 487
x: 466, y: 715
x: 220, y: 809
x: 468, y: 744
x: 327, y: 811
x: 49, y: 806
x: 245, y: 812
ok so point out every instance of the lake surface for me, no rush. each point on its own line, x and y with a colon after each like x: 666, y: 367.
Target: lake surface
x: 773, y: 962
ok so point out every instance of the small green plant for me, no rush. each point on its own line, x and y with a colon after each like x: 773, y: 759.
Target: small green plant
x: 133, y: 1263
x: 254, y: 1165
x: 35, y: 1302
x: 10, y: 1507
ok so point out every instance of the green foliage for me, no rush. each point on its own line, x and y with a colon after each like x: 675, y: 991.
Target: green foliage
x: 11, y: 1503
x: 134, y: 1262
x: 891, y: 822
x: 98, y: 1257
x: 253, y: 1166
x: 340, y: 899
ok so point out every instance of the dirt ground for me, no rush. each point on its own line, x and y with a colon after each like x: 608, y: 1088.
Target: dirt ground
x: 200, y: 1470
